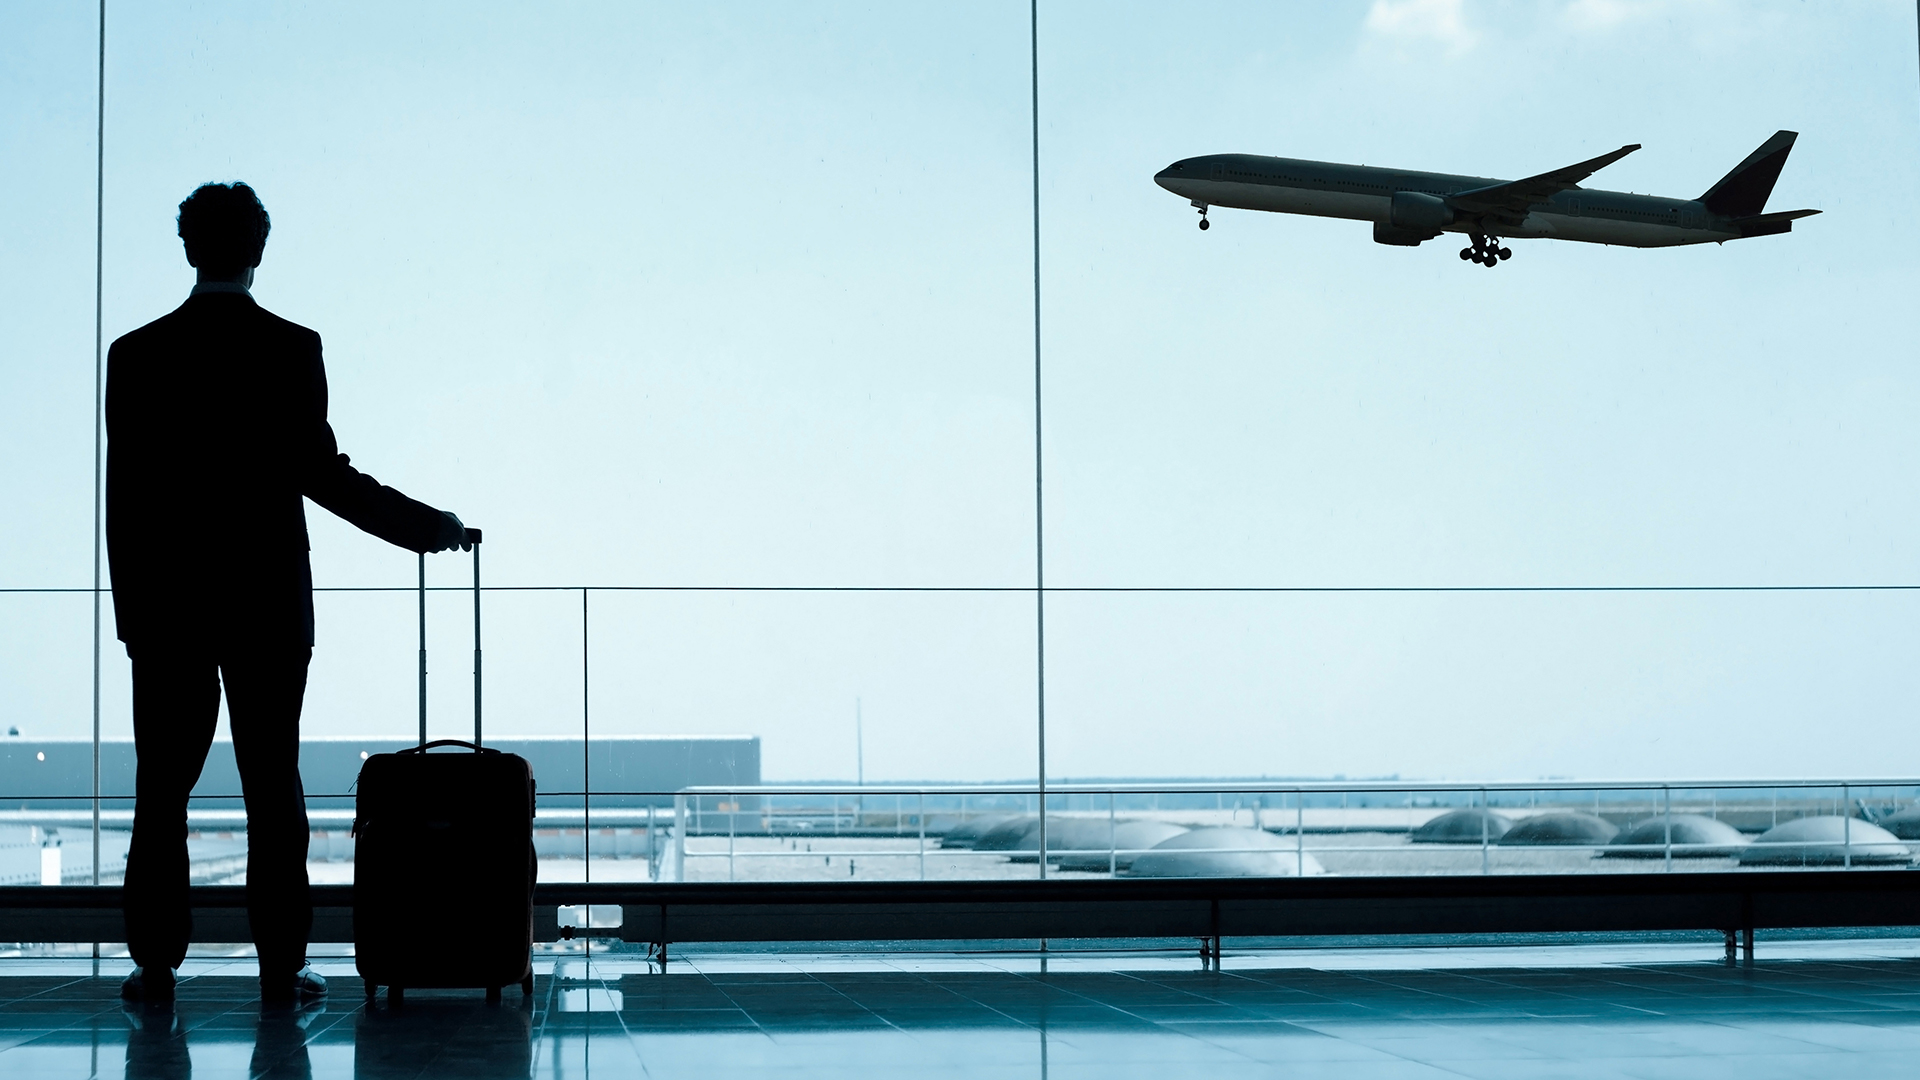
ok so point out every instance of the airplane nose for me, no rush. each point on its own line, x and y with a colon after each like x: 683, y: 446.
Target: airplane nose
x: 1171, y: 172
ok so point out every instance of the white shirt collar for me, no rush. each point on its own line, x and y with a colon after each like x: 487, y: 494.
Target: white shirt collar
x: 220, y: 287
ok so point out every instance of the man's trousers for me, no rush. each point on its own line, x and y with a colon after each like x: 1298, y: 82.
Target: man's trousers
x: 176, y: 705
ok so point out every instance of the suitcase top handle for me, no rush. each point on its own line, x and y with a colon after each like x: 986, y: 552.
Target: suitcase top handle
x: 424, y: 747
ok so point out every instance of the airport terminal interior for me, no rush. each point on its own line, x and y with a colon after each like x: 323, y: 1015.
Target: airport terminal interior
x: 1021, y: 539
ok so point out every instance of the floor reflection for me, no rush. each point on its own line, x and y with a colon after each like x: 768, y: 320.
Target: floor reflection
x: 452, y: 1036
x: 715, y: 1017
x: 156, y: 1044
x: 280, y: 1042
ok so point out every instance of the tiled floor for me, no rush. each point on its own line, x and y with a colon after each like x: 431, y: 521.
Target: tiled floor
x: 1839, y: 1010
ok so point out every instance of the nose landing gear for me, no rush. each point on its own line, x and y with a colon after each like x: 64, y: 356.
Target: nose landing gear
x: 1203, y: 214
x: 1486, y: 251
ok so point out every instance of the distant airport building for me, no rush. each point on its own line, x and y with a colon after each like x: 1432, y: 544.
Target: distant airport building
x: 624, y: 770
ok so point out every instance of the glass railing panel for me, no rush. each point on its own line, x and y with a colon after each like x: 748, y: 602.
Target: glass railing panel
x: 887, y: 687
x: 46, y: 745
x: 1249, y: 830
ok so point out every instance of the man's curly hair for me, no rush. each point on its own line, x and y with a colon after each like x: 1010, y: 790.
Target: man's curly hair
x: 224, y: 227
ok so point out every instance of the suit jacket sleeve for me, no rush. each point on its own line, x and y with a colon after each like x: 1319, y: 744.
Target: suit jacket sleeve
x: 328, y: 477
x: 123, y: 548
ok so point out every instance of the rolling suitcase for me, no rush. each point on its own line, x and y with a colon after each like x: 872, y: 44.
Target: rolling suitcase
x: 443, y: 861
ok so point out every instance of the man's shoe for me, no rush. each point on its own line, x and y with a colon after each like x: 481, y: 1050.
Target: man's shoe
x: 148, y: 984
x: 303, y: 985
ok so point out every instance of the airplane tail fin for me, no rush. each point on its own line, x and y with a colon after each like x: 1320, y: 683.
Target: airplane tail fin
x: 1743, y: 192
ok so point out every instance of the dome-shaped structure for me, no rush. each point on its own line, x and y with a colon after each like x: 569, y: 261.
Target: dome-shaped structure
x: 968, y: 830
x: 1561, y: 827
x: 1130, y: 840
x: 1462, y: 827
x: 1905, y: 824
x: 1063, y: 834
x: 1694, y: 836
x: 1825, y: 841
x: 1223, y: 852
x: 1007, y: 835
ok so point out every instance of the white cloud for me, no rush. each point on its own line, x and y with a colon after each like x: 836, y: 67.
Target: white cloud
x: 1607, y: 14
x: 1432, y: 20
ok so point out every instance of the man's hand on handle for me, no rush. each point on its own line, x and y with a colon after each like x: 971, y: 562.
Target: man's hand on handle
x: 452, y: 534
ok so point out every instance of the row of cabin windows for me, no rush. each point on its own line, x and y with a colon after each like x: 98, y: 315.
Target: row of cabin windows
x: 1578, y: 208
x: 1299, y: 180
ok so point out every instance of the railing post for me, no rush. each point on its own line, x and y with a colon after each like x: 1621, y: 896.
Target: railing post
x: 1113, y: 842
x: 680, y: 837
x: 1042, y: 796
x: 1667, y: 801
x: 732, y: 815
x: 1484, y: 811
x: 922, y: 813
x: 1846, y: 826
x: 1299, y: 833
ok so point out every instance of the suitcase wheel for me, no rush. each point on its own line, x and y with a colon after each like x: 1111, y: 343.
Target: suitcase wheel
x: 493, y: 995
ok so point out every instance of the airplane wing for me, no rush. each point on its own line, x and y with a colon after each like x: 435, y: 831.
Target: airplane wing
x: 1509, y: 203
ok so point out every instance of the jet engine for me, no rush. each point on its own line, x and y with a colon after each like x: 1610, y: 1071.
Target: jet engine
x: 1419, y: 210
x: 1384, y: 233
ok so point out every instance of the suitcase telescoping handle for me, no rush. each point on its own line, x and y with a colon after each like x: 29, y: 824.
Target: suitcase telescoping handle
x: 473, y: 538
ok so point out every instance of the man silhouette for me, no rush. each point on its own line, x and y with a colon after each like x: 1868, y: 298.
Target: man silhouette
x: 217, y: 427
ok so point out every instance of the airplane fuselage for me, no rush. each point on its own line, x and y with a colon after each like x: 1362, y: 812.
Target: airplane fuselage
x: 1365, y: 193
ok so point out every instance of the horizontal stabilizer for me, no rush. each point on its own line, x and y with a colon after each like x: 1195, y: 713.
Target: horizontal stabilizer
x: 1769, y: 224
x: 1743, y: 192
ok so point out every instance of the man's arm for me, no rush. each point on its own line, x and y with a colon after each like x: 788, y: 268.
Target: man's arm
x: 122, y: 552
x: 328, y: 477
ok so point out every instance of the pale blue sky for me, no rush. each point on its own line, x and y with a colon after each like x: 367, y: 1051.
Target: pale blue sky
x: 740, y: 295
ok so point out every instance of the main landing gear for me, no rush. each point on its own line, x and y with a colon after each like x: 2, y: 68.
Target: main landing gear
x: 1486, y: 251
x: 1203, y: 214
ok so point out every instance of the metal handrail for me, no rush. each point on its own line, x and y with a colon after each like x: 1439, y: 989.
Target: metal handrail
x: 1192, y: 787
x: 1284, y: 787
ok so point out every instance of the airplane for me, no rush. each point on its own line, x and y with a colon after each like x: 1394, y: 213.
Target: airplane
x: 1410, y: 208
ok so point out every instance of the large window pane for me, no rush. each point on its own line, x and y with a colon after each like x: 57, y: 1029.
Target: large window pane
x: 1280, y: 401
x: 652, y: 293
x: 47, y: 113
x: 1481, y: 685
x: 47, y: 116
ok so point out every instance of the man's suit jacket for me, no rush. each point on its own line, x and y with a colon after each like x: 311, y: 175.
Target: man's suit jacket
x: 216, y: 427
